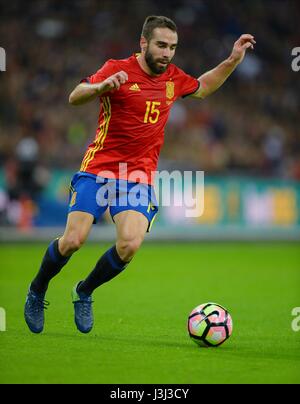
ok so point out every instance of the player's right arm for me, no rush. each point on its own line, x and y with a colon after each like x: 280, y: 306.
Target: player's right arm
x: 86, y: 92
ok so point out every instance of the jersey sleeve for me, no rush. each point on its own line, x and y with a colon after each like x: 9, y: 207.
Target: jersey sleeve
x: 187, y: 84
x: 108, y: 69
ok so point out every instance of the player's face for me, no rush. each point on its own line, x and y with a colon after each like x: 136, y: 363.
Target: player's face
x: 160, y: 49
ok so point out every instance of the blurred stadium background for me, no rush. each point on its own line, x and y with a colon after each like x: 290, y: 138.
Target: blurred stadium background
x: 245, y: 137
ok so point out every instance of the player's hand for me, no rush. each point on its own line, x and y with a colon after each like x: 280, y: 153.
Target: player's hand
x: 114, y: 82
x: 244, y: 42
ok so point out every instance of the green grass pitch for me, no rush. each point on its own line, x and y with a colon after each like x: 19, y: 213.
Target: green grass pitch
x: 140, y: 332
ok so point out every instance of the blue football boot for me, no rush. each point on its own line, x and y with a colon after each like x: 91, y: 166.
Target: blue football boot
x: 34, y: 311
x: 83, y: 310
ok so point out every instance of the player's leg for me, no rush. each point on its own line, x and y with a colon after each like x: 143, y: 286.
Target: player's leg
x: 60, y: 250
x: 131, y: 228
x: 83, y: 211
x: 77, y: 230
x: 57, y: 255
x: 132, y: 222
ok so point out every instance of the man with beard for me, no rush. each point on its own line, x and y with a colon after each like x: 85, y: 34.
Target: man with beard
x: 136, y: 95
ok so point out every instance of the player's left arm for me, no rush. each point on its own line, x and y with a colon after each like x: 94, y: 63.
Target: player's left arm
x: 213, y: 79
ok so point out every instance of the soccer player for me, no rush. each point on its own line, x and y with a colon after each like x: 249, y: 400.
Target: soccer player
x: 135, y: 95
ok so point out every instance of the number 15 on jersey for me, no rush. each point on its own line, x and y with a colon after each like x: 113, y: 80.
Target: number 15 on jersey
x: 152, y: 112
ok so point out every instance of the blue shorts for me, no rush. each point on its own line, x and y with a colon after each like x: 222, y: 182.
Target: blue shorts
x: 92, y: 194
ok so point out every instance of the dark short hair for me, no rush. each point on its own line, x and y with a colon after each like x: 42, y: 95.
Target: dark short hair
x: 156, y: 21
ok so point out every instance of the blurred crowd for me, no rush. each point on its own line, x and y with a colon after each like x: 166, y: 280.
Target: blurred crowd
x: 249, y: 127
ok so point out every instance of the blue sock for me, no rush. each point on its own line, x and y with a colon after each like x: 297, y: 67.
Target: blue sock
x: 108, y: 266
x: 51, y: 265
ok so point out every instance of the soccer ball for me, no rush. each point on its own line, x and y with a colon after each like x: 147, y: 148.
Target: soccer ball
x: 209, y: 325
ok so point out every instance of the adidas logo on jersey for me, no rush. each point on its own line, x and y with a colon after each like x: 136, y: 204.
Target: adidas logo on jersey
x: 135, y: 87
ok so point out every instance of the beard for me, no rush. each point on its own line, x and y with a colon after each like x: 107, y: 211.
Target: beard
x: 153, y: 63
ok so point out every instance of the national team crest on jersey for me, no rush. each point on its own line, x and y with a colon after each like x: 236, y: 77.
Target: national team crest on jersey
x: 170, y: 87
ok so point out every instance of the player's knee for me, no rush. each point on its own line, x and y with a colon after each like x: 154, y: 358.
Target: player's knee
x: 128, y: 247
x: 71, y: 243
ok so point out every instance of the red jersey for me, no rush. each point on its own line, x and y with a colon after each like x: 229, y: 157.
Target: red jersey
x: 132, y: 119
